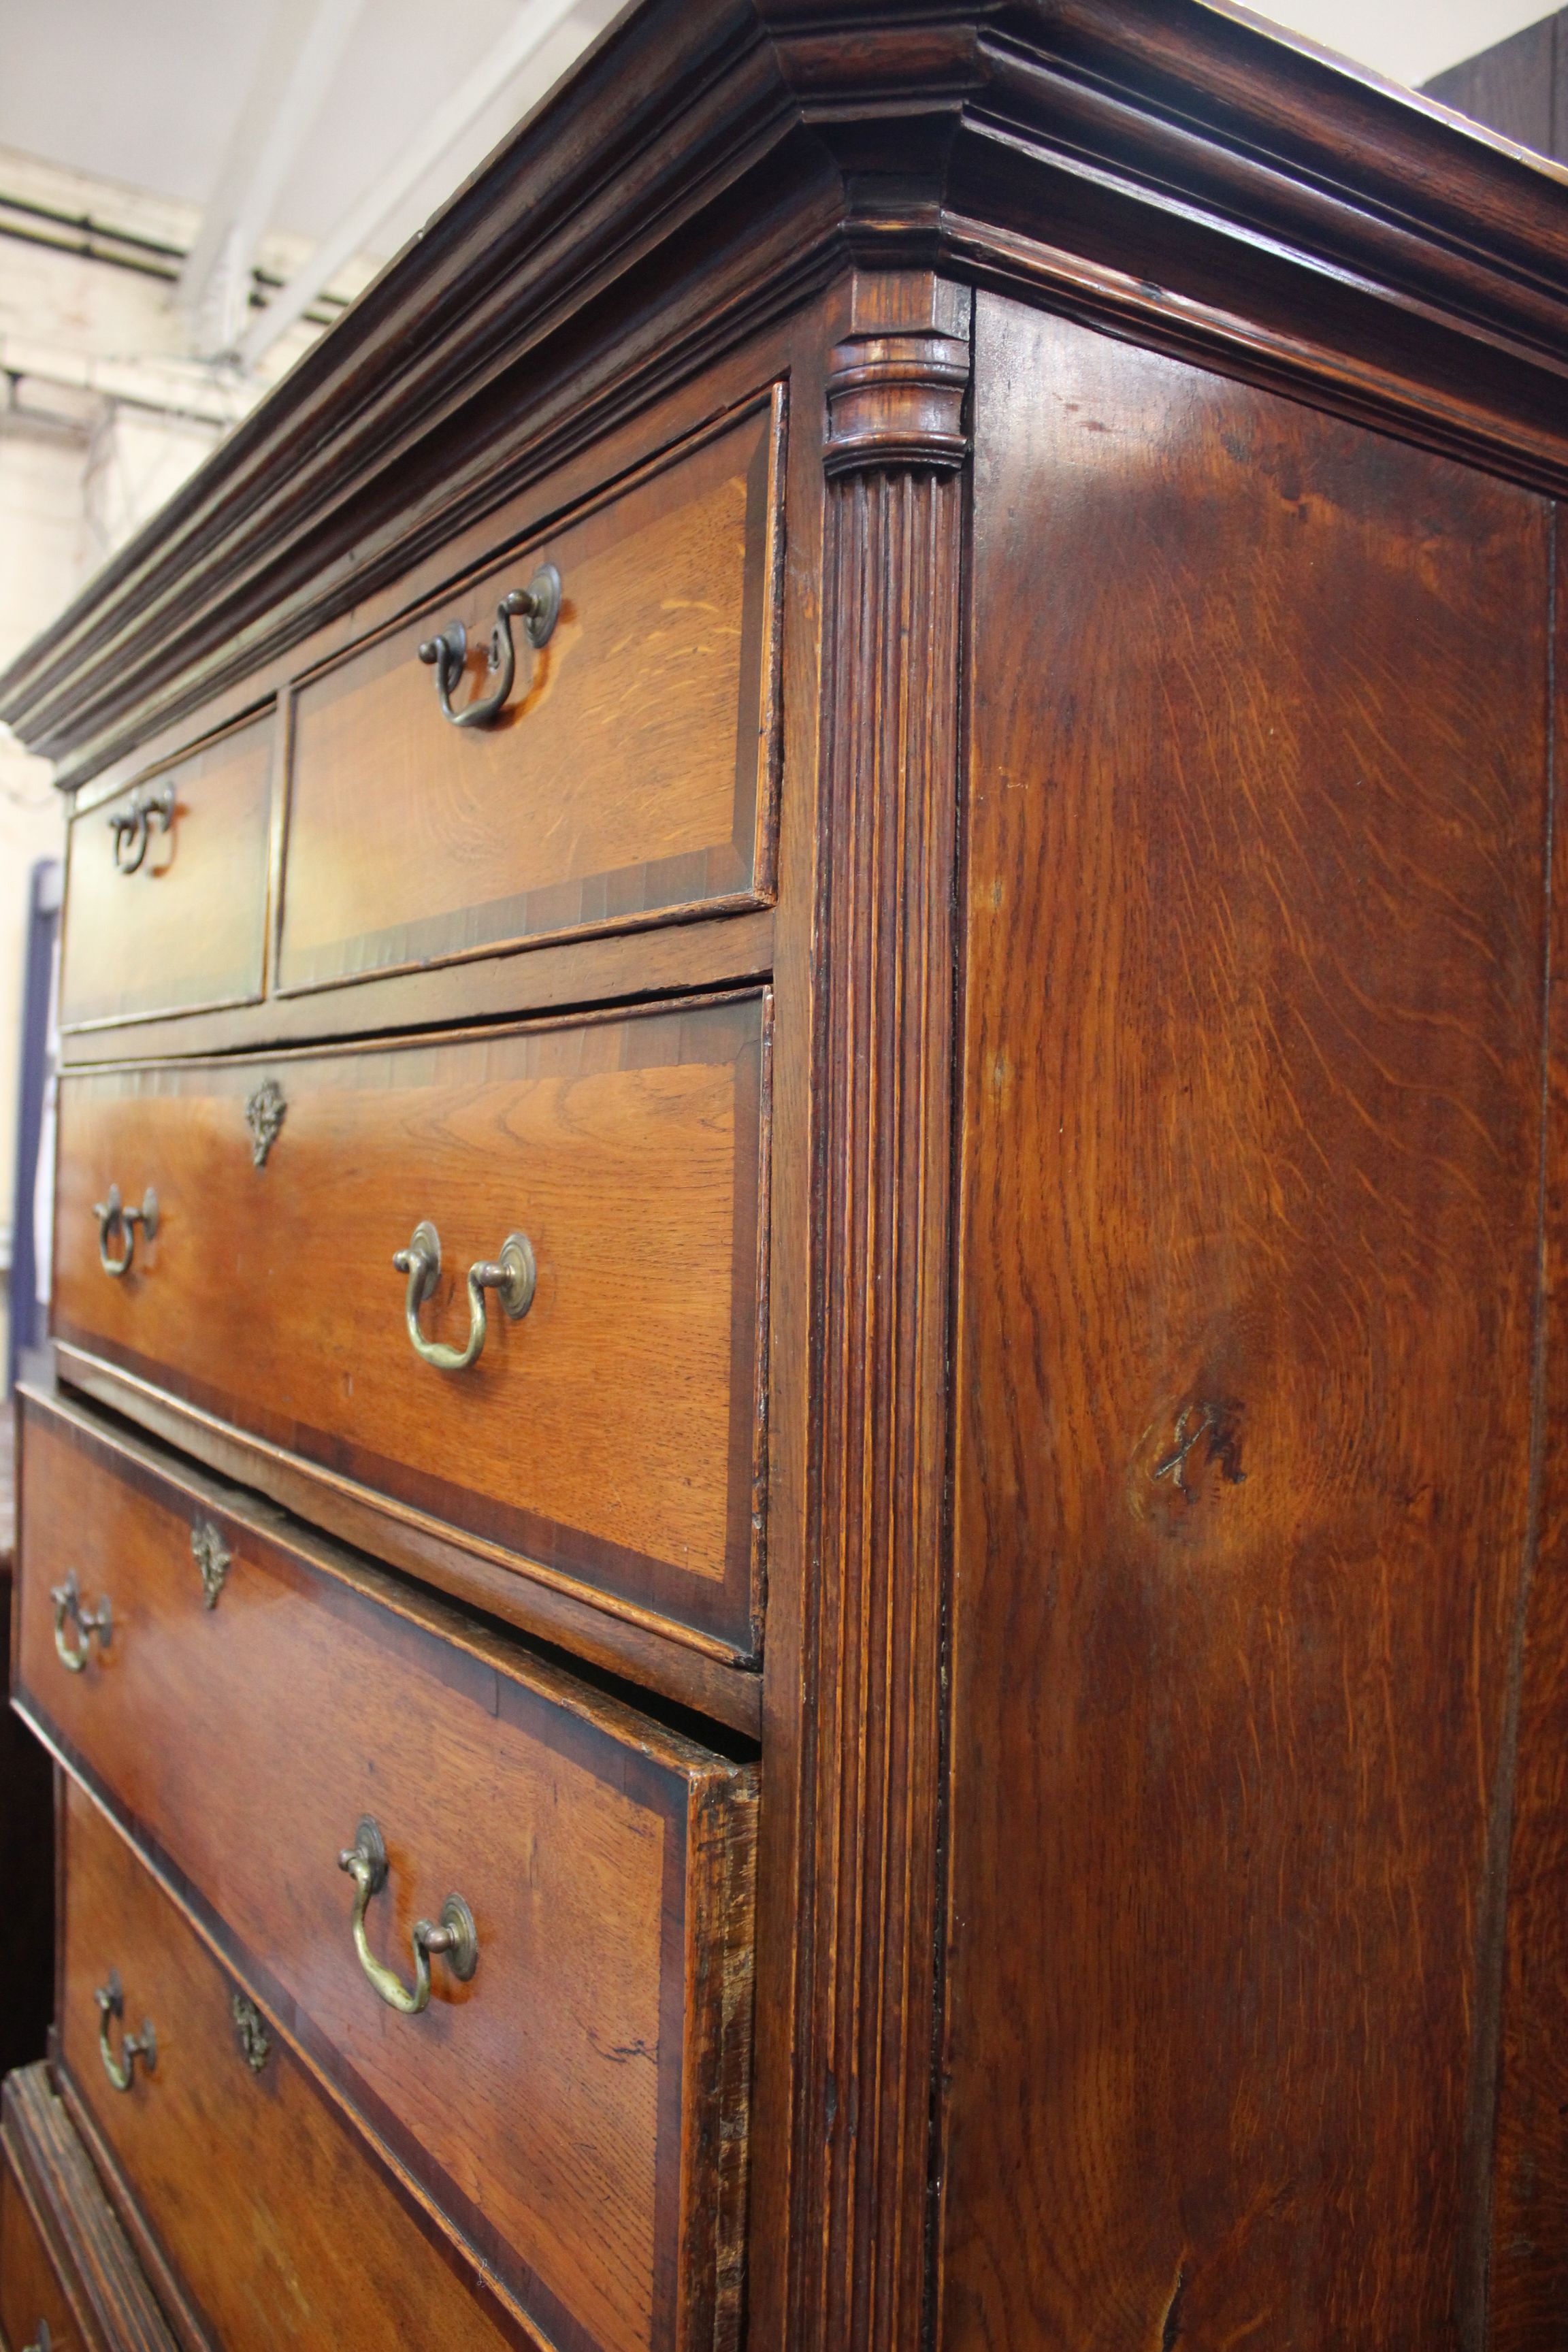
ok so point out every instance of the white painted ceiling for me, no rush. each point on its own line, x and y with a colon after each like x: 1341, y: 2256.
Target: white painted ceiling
x: 148, y: 92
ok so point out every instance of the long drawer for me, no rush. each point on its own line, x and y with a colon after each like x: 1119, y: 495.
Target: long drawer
x: 607, y: 1438
x: 282, y: 2231
x: 626, y: 771
x: 166, y: 902
x: 575, y: 2103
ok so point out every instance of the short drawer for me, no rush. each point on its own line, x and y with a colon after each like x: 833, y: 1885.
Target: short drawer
x: 575, y: 2105
x: 627, y: 776
x: 166, y: 894
x: 607, y: 1438
x: 278, y: 2225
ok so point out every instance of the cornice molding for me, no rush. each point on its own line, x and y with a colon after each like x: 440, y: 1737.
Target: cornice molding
x: 1187, y: 176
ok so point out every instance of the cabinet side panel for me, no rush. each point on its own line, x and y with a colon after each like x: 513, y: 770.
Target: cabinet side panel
x: 1529, y: 2236
x: 1248, y: 1251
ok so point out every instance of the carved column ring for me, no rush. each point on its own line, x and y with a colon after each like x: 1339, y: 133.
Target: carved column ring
x: 896, y: 400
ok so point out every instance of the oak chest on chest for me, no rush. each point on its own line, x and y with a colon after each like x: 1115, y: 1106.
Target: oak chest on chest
x: 793, y: 1548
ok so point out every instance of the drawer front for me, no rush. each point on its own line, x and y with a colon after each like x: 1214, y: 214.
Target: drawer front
x: 167, y: 910
x: 609, y: 1437
x: 30, y: 2291
x: 576, y: 2107
x: 281, y: 2228
x: 628, y: 774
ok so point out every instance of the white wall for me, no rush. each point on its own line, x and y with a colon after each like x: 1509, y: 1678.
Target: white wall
x: 1408, y: 40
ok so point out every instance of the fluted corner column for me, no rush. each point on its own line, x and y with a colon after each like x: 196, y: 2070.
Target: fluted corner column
x: 895, y: 451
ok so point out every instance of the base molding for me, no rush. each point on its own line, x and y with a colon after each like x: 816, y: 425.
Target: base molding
x: 97, y: 2275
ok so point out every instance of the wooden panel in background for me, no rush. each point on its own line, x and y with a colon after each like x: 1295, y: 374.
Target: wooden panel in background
x: 629, y: 774
x: 188, y: 928
x: 610, y: 1437
x: 1249, y: 1264
x: 577, y: 2108
x: 281, y: 2228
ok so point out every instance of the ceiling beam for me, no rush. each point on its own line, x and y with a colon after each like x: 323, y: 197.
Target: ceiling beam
x: 534, y: 23
x: 303, y: 49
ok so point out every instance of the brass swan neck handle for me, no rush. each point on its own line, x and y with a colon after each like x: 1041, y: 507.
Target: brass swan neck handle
x: 453, y: 1939
x: 539, y: 607
x: 121, y: 2071
x: 512, y: 1277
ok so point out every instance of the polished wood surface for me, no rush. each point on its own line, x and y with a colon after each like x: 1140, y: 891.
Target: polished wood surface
x: 188, y: 929
x: 30, y: 2289
x: 54, y: 2213
x: 1248, y: 1268
x: 629, y: 774
x: 594, y: 2156
x: 319, y: 2249
x: 609, y: 1439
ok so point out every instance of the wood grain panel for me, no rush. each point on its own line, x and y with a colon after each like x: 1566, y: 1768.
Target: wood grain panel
x: 577, y: 2109
x: 188, y: 929
x: 320, y: 2248
x: 629, y: 774
x: 1249, y: 1264
x: 610, y: 1438
x: 1523, y: 2236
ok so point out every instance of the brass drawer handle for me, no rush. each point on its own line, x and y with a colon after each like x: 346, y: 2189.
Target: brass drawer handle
x: 511, y: 1277
x: 538, y: 604
x: 132, y: 826
x: 455, y: 1938
x: 67, y: 1597
x: 114, y: 1212
x: 121, y: 2071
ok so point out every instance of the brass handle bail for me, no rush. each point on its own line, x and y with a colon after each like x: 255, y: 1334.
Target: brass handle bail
x: 132, y: 826
x: 455, y: 1940
x: 539, y: 607
x: 121, y: 2071
x: 512, y: 1277
x: 67, y: 1597
x: 113, y: 1211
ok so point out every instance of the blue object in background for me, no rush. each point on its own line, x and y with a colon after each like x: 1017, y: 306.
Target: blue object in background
x: 35, y: 1113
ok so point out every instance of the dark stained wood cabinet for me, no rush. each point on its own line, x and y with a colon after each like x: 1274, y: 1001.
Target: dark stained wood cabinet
x: 854, y: 1311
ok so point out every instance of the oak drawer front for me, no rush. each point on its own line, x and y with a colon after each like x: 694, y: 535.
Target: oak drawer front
x: 609, y: 1435
x: 280, y: 2225
x: 576, y: 2107
x: 628, y: 776
x: 30, y: 2288
x: 167, y: 892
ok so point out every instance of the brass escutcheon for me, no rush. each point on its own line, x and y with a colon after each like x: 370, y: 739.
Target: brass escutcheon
x: 455, y: 1940
x: 512, y: 1277
x: 121, y: 2071
x: 114, y: 1212
x: 68, y: 1611
x: 254, y: 2042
